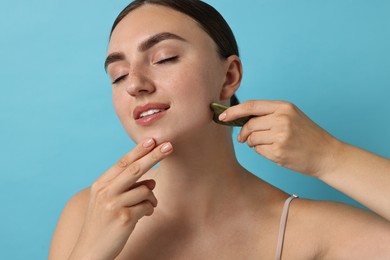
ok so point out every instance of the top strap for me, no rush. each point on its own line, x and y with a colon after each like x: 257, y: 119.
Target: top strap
x: 282, y: 226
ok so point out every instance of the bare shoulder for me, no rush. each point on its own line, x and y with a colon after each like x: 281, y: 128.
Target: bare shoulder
x: 336, y: 231
x: 75, y: 209
x: 69, y: 225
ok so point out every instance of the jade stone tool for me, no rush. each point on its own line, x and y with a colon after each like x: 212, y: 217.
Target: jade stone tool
x: 218, y: 109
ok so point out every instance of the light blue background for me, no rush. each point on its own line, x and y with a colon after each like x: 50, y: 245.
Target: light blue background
x: 59, y: 131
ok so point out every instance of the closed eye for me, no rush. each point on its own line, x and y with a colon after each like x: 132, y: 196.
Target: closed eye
x: 171, y: 59
x: 119, y: 79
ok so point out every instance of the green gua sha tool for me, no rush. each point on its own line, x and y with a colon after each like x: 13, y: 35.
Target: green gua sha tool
x: 218, y: 109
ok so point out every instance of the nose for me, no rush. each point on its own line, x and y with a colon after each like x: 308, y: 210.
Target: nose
x: 138, y: 84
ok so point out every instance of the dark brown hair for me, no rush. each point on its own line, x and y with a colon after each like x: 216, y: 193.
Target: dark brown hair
x: 210, y: 20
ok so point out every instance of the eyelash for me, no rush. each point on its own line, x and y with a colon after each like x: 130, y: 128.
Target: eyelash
x: 171, y: 59
x: 119, y: 79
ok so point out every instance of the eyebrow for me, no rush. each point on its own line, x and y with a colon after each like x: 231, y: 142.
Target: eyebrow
x: 113, y: 57
x: 144, y: 46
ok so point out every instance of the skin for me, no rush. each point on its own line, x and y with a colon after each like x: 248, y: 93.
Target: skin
x: 284, y: 134
x: 200, y: 203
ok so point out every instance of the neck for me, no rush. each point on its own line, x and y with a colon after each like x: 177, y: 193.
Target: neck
x: 199, y: 174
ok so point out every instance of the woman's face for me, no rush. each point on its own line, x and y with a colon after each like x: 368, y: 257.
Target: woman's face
x: 165, y: 71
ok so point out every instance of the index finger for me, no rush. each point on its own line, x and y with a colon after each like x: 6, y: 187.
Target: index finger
x: 137, y: 169
x: 138, y: 152
x: 249, y: 108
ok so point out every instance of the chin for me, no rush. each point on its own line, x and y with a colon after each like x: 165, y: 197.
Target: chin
x: 158, y: 135
x: 174, y: 135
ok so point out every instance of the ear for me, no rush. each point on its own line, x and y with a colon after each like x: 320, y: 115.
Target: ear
x: 233, y: 76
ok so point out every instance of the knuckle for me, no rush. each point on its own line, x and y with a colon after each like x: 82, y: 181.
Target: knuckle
x: 155, y: 156
x: 99, y: 190
x: 249, y: 141
x: 282, y: 138
x: 134, y: 168
x: 258, y: 149
x: 278, y: 155
x: 154, y: 200
x: 285, y: 122
x: 250, y: 125
x: 102, y: 195
x: 122, y: 163
x: 244, y: 131
x: 288, y: 107
x: 280, y: 161
x: 144, y: 191
x: 282, y: 118
x: 95, y: 187
x: 288, y: 135
x: 288, y: 124
x: 251, y: 104
x: 125, y: 217
x: 111, y: 206
x: 149, y: 209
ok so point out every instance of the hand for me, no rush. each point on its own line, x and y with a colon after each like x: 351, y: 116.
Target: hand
x: 118, y: 201
x: 282, y: 133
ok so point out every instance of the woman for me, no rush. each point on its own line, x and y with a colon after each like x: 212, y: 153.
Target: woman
x: 168, y: 60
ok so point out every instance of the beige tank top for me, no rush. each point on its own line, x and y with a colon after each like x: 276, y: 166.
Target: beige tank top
x: 282, y: 226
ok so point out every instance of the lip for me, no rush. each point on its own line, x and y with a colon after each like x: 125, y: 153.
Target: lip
x: 148, y: 120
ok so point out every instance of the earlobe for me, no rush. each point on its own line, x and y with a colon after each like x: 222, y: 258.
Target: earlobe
x: 233, y: 77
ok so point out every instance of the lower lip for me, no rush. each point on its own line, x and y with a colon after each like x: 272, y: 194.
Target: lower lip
x: 148, y: 120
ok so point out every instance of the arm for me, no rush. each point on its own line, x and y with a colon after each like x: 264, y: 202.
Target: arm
x: 352, y: 233
x: 284, y: 134
x: 361, y: 175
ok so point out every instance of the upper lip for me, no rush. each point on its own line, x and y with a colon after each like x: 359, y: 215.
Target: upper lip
x: 140, y: 109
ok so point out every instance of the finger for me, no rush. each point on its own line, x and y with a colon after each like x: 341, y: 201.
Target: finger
x: 268, y: 151
x: 260, y: 138
x: 264, y: 150
x: 248, y: 108
x: 263, y: 123
x: 134, y: 171
x: 151, y: 184
x: 136, y: 196
x: 139, y: 151
x: 132, y: 214
x: 142, y: 209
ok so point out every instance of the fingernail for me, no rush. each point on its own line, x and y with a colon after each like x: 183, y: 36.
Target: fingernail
x: 222, y: 116
x: 166, y: 148
x: 148, y: 143
x: 239, y: 138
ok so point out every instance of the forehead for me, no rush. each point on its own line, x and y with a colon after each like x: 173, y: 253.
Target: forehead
x: 151, y: 19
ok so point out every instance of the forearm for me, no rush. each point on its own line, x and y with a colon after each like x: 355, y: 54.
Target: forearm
x: 361, y: 175
x: 282, y: 133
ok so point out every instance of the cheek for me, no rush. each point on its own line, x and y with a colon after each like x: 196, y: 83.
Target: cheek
x: 210, y: 79
x: 115, y: 102
x: 119, y: 104
x: 202, y: 82
x: 194, y: 98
